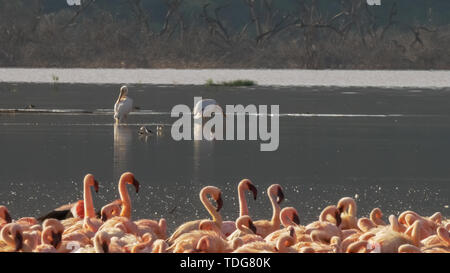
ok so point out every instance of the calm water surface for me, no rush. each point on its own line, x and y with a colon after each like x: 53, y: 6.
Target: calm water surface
x: 388, y: 148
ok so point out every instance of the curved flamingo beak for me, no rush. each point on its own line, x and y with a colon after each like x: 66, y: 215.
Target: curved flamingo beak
x: 291, y: 232
x: 253, y: 189
x: 280, y: 195
x: 135, y: 184
x: 340, y: 209
x: 219, y: 202
x: 338, y: 218
x: 296, y: 219
x: 56, y: 239
x: 18, y: 239
x: 96, y: 185
x: 104, y: 217
x: 252, y: 226
x: 8, y: 217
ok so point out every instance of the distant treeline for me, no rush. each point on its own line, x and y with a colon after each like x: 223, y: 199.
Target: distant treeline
x: 336, y: 34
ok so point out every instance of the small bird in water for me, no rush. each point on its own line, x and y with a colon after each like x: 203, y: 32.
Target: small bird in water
x: 143, y: 131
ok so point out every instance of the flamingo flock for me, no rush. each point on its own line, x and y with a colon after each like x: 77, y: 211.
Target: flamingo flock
x: 77, y: 227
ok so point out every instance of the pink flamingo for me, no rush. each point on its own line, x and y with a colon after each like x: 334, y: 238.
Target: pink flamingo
x: 244, y: 226
x: 229, y: 227
x: 123, y: 221
x: 51, y: 237
x: 158, y: 228
x: 89, y: 224
x: 389, y: 239
x: 328, y: 223
x: 74, y: 210
x: 127, y: 178
x: 376, y: 216
x: 214, y: 212
x: 11, y: 238
x: 429, y: 224
x: 289, y: 218
x: 347, y: 209
x: 265, y: 227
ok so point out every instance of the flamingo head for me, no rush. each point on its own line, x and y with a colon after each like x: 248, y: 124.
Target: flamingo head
x: 129, y: 178
x: 110, y: 210
x: 251, y: 188
x: 276, y: 190
x: 56, y: 229
x: 4, y: 213
x: 290, y: 213
x: 15, y: 231
x: 348, y: 205
x: 89, y: 180
x: 251, y: 226
x: 215, y: 193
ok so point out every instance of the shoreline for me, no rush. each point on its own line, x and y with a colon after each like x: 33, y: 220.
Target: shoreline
x: 433, y: 79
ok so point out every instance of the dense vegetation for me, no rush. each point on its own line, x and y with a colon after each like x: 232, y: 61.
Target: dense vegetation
x: 402, y: 34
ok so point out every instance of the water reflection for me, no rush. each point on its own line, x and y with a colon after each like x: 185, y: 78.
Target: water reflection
x: 123, y: 136
x: 203, y: 152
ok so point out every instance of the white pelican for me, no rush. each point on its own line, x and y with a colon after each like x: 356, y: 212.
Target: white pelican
x: 201, y: 109
x: 123, y: 106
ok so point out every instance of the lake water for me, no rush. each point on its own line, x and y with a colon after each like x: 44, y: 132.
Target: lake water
x: 389, y: 148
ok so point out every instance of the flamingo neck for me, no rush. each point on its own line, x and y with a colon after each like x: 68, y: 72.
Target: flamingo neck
x: 46, y: 235
x: 240, y: 226
x: 6, y: 236
x: 352, y: 209
x: 281, y: 244
x: 125, y: 197
x: 210, y: 208
x: 276, y: 211
x: 88, y: 203
x: 243, y: 208
x: 323, y: 215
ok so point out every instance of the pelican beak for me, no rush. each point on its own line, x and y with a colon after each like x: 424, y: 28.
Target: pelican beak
x: 136, y: 184
x: 104, y: 217
x: 105, y: 247
x: 18, y: 241
x: 219, y: 202
x: 338, y: 218
x: 56, y: 239
x: 96, y: 185
x: 8, y: 217
x: 280, y: 195
x: 252, y: 226
x: 253, y: 189
x: 296, y: 219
